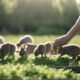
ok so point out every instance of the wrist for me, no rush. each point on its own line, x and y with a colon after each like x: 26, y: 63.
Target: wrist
x: 68, y: 36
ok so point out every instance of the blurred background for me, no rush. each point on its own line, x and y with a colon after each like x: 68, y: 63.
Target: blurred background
x: 38, y: 16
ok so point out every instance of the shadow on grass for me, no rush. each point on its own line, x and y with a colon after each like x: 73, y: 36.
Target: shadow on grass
x: 6, y: 61
x: 61, y: 61
x: 21, y: 60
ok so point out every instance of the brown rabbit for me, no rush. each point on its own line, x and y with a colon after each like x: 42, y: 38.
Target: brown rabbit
x: 40, y: 50
x: 71, y: 50
x: 27, y: 49
x: 30, y: 48
x: 22, y: 50
x: 49, y: 47
x: 7, y: 49
x: 25, y: 39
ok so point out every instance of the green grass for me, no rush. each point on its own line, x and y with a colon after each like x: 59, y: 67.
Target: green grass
x: 37, y: 39
x: 41, y: 39
x: 35, y: 68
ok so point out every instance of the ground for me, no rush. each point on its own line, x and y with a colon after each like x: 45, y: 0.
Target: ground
x: 35, y: 68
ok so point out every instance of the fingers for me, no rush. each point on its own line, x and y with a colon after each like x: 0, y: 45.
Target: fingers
x: 57, y: 44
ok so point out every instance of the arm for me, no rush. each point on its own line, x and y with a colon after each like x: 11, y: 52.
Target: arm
x: 74, y: 30
x: 68, y: 36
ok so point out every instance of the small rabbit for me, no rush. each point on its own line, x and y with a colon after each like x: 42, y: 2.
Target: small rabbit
x: 7, y: 49
x: 25, y: 39
x: 40, y: 50
x: 49, y: 47
x: 27, y: 49
x: 71, y: 50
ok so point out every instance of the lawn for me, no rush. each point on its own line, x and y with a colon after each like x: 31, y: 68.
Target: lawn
x: 34, y: 68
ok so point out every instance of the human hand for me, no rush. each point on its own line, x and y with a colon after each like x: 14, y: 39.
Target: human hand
x: 59, y: 42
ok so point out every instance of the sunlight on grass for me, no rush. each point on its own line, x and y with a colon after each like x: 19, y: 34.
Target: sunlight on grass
x: 41, y: 38
x: 75, y: 40
x: 37, y: 67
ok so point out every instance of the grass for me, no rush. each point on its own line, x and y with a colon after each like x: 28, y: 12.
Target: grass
x: 35, y: 68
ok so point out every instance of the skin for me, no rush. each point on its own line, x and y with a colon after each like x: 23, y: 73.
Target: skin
x: 59, y: 42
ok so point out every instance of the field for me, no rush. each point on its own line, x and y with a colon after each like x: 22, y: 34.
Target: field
x: 34, y: 68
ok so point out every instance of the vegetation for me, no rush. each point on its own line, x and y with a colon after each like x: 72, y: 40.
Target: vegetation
x: 36, y: 67
x: 37, y: 16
